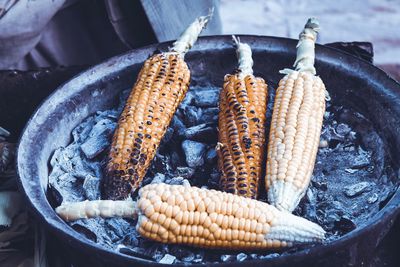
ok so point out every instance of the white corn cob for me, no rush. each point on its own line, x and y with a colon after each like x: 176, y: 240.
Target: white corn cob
x: 295, y: 126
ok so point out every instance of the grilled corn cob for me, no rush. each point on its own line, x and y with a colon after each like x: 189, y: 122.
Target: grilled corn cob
x: 295, y: 126
x: 160, y: 87
x: 241, y: 137
x: 203, y: 218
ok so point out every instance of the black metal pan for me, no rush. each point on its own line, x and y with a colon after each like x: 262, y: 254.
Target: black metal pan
x: 349, y: 80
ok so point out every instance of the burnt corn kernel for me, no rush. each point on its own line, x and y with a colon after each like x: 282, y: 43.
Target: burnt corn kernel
x: 141, y: 126
x: 241, y: 136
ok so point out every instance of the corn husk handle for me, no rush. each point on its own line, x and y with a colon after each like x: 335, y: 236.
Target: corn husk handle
x: 305, y: 56
x: 72, y: 211
x: 190, y: 35
x: 244, y: 55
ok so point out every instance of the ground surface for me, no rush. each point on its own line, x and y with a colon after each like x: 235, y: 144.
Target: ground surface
x: 375, y: 21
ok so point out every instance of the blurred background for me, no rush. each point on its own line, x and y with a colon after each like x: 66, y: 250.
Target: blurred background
x: 44, y: 43
x: 375, y: 21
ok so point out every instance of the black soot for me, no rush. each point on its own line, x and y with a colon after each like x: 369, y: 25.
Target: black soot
x: 352, y: 180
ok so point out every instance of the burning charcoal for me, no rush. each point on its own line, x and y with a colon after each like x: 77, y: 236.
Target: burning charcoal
x: 345, y: 225
x: 116, y: 228
x: 213, y: 182
x: 241, y: 257
x: 134, y: 251
x: 206, y: 97
x: 68, y: 186
x: 321, y: 185
x: 161, y: 163
x: 184, y: 172
x: 158, y: 178
x: 323, y: 143
x: 211, y: 156
x: 270, y: 256
x: 198, y: 257
x: 182, y: 253
x: 167, y: 136
x: 81, y: 132
x: 176, y: 180
x: 373, y: 198
x: 202, y: 133
x: 194, y: 152
x: 192, y: 115
x: 209, y: 115
x: 228, y: 258
x: 99, y: 138
x: 178, y: 126
x: 131, y: 239
x: 357, y: 189
x: 342, y: 129
x: 91, y: 187
x: 188, y: 100
x: 362, y: 160
x: 176, y: 159
x: 167, y: 259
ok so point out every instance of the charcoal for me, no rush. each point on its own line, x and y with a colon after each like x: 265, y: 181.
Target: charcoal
x: 241, y: 257
x: 123, y: 96
x: 211, y: 156
x: 201, y: 133
x: 344, y: 225
x: 270, y: 256
x: 158, y: 178
x: 183, y: 253
x: 133, y: 251
x: 342, y: 129
x: 184, y: 172
x: 94, y: 146
x: 117, y: 228
x: 373, y: 198
x: 176, y: 159
x: 69, y: 187
x: 213, y: 182
x: 192, y: 115
x: 167, y: 136
x: 161, y: 163
x: 228, y: 258
x: 131, y: 239
x: 99, y: 138
x: 189, y: 98
x: 82, y: 131
x: 209, y: 115
x: 167, y: 259
x: 206, y: 97
x: 357, y: 189
x: 351, y: 143
x: 194, y: 153
x: 81, y: 168
x: 178, y: 126
x: 323, y: 186
x: 91, y: 187
x: 362, y: 160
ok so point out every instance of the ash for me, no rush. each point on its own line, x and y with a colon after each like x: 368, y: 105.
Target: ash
x: 352, y: 179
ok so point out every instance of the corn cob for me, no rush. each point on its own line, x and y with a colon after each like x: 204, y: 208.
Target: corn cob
x: 243, y: 106
x: 295, y: 126
x: 160, y: 87
x: 204, y: 218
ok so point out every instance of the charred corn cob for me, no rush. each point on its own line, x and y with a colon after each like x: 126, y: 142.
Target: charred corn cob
x: 203, y: 218
x: 160, y: 87
x: 295, y: 126
x: 241, y: 137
